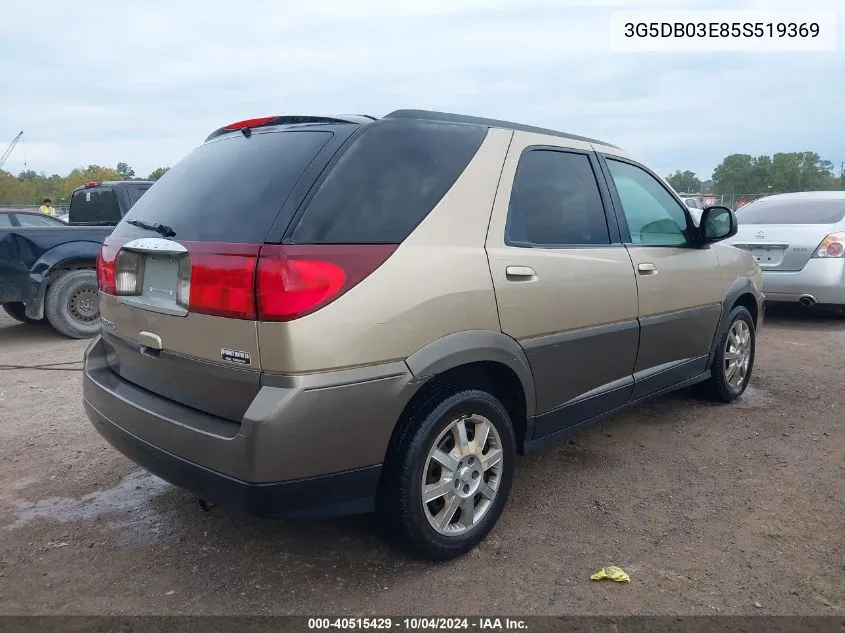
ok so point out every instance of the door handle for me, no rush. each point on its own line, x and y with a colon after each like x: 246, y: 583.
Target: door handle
x: 520, y: 273
x: 647, y: 268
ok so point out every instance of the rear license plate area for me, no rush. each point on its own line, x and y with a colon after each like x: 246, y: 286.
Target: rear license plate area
x: 765, y: 255
x: 160, y: 285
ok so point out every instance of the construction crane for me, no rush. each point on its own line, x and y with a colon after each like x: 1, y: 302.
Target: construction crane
x: 10, y: 148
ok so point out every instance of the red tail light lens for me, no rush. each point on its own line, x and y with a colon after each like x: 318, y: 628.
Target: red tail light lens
x: 297, y: 280
x: 832, y: 246
x: 107, y: 266
x: 222, y: 279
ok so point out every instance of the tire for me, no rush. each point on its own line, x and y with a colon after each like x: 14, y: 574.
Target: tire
x: 18, y: 312
x: 410, y: 465
x: 723, y: 385
x: 72, y: 305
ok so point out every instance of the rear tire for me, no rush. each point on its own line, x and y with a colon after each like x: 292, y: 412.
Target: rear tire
x: 734, y: 359
x: 465, y: 476
x: 73, y: 304
x: 18, y: 312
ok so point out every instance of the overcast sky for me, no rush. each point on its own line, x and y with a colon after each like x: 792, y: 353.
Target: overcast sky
x: 144, y: 82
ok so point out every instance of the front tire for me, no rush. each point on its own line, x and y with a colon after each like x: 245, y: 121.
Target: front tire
x: 18, y: 312
x: 73, y: 304
x: 448, y: 473
x: 734, y: 359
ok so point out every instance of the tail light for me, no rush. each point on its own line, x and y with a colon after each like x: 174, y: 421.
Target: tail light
x: 296, y: 280
x: 220, y: 280
x: 107, y: 267
x: 119, y: 272
x: 129, y: 271
x: 832, y: 246
x: 249, y: 281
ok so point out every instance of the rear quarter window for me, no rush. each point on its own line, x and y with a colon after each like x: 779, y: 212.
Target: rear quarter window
x: 388, y: 180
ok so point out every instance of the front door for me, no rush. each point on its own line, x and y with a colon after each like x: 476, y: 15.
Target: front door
x: 679, y: 284
x: 564, y: 283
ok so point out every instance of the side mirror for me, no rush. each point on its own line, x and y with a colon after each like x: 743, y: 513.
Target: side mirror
x: 717, y: 223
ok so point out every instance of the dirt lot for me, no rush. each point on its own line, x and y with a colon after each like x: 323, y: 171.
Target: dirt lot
x: 710, y: 508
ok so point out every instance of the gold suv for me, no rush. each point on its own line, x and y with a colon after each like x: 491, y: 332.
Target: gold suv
x: 323, y: 316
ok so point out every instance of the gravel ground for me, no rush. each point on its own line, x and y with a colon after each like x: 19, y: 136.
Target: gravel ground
x: 712, y: 509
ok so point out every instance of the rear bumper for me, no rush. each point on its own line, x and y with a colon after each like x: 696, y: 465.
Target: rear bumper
x: 349, y: 492
x: 823, y: 279
x: 308, y: 446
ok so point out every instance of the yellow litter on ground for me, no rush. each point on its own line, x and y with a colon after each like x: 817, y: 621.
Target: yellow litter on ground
x: 614, y: 573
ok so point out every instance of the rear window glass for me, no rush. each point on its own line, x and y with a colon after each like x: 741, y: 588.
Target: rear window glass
x: 227, y: 190
x: 386, y: 183
x: 793, y: 211
x: 97, y: 205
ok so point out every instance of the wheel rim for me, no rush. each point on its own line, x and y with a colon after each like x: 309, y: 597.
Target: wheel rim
x: 83, y: 305
x: 738, y: 354
x: 462, y: 474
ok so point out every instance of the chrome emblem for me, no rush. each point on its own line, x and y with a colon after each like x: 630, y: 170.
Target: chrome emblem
x: 760, y: 235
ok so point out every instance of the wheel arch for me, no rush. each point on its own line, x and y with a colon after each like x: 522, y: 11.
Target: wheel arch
x: 52, y: 264
x: 741, y: 292
x: 479, y: 358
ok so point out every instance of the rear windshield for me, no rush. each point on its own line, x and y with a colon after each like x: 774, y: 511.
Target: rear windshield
x: 227, y: 190
x: 386, y: 183
x: 96, y: 205
x: 775, y: 211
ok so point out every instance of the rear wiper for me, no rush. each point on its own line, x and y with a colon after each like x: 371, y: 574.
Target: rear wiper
x: 161, y: 229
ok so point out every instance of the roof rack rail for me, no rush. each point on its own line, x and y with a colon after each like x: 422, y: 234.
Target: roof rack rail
x: 446, y: 117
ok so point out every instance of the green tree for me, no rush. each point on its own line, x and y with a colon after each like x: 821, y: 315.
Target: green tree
x: 781, y: 172
x: 684, y: 182
x: 735, y: 174
x: 125, y: 171
x: 158, y: 173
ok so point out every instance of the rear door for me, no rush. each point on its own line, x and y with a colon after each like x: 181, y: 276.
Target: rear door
x: 564, y: 283
x: 187, y: 330
x: 783, y: 233
x: 679, y: 285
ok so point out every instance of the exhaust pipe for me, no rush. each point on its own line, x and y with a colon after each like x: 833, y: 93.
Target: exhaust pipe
x: 808, y: 301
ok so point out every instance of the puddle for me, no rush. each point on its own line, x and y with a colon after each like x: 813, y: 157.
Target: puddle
x: 130, y: 501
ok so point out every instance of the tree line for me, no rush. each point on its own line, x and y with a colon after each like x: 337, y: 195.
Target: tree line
x: 779, y: 173
x: 30, y: 187
x: 736, y: 174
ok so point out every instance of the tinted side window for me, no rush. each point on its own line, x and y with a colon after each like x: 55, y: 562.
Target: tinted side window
x: 654, y: 217
x: 555, y: 201
x: 135, y: 193
x: 5, y: 220
x: 27, y: 219
x: 387, y: 182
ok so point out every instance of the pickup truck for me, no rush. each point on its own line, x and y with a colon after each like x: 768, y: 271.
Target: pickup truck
x: 49, y: 272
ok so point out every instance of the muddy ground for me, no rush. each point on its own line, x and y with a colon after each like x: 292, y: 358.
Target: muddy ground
x: 711, y: 509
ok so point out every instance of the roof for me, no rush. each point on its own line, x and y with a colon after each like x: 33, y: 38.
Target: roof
x: 446, y: 117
